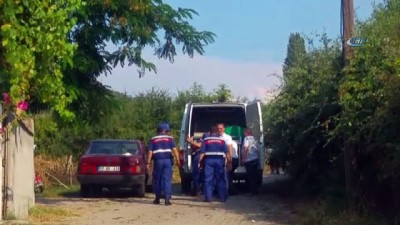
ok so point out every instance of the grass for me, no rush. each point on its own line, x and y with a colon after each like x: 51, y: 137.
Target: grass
x: 49, y: 215
x: 45, y: 214
x: 320, y: 213
x: 60, y: 192
x: 10, y: 216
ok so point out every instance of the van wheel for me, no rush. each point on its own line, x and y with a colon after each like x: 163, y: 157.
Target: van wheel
x: 186, y: 186
x: 260, y: 178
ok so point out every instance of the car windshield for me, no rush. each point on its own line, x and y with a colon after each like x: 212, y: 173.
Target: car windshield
x: 114, y: 148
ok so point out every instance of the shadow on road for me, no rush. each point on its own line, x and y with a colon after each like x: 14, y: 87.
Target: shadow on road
x: 273, y: 203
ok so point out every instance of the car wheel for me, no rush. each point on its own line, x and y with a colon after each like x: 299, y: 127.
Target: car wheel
x: 141, y: 190
x: 96, y: 190
x: 85, y: 190
x: 149, y: 183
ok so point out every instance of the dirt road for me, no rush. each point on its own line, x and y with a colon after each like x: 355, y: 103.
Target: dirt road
x: 243, y: 208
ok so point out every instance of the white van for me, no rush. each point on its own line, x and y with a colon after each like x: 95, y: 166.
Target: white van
x: 198, y: 119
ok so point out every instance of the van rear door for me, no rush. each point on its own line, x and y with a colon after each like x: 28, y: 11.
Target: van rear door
x: 183, y: 145
x: 254, y: 123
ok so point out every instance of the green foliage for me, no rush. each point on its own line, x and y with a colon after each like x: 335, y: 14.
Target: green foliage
x: 296, y: 52
x: 369, y: 96
x: 322, y: 111
x: 60, y: 191
x: 130, y: 26
x: 297, y: 121
x: 222, y: 93
x: 133, y: 117
x: 52, y: 52
x: 35, y: 50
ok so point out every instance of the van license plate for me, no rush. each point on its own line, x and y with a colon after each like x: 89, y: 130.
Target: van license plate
x: 108, y: 169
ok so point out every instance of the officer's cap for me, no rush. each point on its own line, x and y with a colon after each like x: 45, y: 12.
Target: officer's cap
x: 163, y: 126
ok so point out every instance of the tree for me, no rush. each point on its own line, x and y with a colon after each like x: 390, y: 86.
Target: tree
x: 296, y: 53
x: 195, y: 93
x: 131, y: 26
x: 52, y: 52
x: 35, y: 50
x: 222, y: 93
x: 369, y: 96
x: 298, y: 119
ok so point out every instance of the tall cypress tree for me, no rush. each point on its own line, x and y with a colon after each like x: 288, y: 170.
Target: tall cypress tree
x: 296, y: 52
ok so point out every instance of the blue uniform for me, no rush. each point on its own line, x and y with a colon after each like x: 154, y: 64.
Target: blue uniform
x: 161, y: 146
x: 197, y: 174
x: 214, y: 150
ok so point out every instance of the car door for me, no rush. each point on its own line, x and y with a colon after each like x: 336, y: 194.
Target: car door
x: 183, y: 145
x: 254, y: 123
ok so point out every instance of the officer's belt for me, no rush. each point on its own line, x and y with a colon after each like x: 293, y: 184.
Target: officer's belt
x: 214, y: 154
x: 161, y: 151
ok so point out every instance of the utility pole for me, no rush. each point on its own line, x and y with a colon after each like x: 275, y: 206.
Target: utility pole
x: 347, y: 26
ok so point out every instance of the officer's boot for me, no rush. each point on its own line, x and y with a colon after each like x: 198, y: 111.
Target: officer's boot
x: 156, y: 201
x: 167, y: 201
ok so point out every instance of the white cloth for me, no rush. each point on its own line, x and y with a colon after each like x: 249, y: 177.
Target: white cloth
x: 251, y: 143
x: 229, y: 141
x: 234, y: 149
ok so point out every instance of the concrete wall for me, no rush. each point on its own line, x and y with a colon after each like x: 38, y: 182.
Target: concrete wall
x: 1, y: 176
x: 19, y: 170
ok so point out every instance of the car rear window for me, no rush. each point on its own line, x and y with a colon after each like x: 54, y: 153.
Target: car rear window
x: 114, y: 147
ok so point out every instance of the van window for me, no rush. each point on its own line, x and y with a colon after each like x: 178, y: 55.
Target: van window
x: 205, y: 117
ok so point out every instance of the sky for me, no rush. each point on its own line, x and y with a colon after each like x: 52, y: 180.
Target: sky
x: 250, y: 45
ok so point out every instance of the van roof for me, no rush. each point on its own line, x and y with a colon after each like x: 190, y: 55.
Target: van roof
x: 219, y: 104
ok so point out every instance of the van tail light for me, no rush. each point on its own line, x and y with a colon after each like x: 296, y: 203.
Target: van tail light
x: 181, y: 157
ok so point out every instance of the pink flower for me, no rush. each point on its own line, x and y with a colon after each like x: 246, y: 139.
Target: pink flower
x: 23, y: 105
x: 2, y: 130
x: 6, y: 98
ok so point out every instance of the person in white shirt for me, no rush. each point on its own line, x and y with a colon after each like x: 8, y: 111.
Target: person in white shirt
x: 232, y: 158
x: 251, y: 159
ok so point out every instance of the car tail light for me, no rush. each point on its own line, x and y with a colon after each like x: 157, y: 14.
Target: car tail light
x: 133, y: 169
x: 133, y: 166
x: 136, y: 169
x: 86, y: 168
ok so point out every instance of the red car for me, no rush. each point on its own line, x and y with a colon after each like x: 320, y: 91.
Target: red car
x: 113, y: 164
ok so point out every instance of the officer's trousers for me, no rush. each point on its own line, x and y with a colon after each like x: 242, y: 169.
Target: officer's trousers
x: 214, y: 172
x: 162, y: 177
x: 196, y: 173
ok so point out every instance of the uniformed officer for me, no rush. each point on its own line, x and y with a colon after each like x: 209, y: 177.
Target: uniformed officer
x: 213, y: 152
x: 196, y: 171
x: 162, y: 149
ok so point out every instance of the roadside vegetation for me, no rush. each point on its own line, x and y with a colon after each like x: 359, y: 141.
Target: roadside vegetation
x: 49, y: 215
x: 321, y: 111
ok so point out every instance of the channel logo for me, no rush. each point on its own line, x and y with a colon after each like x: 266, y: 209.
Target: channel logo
x: 356, y: 41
